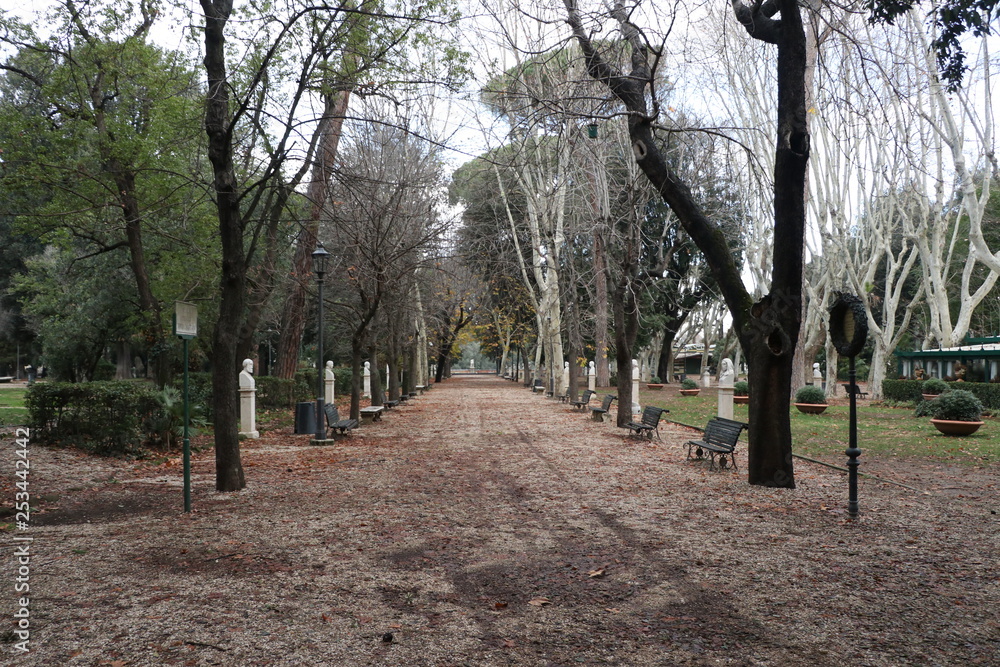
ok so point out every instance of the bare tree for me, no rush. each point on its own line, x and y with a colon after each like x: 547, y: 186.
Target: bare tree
x: 383, y: 225
x: 769, y: 327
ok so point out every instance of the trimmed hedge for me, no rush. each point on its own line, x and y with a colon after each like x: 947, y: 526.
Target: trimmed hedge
x: 107, y: 418
x: 911, y: 390
x: 272, y: 393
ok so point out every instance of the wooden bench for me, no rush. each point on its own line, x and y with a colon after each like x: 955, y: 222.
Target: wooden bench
x: 856, y: 390
x: 372, y: 413
x: 720, y: 438
x: 335, y: 423
x: 649, y: 424
x: 584, y: 400
x: 597, y: 414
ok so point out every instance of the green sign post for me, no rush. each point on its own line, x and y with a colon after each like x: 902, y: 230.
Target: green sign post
x: 186, y: 328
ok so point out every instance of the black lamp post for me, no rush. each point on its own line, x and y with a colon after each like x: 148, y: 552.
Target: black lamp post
x: 848, y: 332
x: 320, y: 263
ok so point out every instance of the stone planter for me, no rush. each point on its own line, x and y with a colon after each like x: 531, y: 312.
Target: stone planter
x: 811, y: 408
x: 741, y: 400
x: 930, y: 397
x: 690, y: 392
x: 654, y: 386
x: 949, y: 427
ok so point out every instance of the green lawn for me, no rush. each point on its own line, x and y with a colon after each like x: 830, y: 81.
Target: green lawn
x: 882, y: 430
x: 12, y: 397
x: 12, y: 412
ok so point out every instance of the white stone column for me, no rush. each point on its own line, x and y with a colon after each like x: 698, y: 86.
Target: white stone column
x: 726, y: 381
x: 591, y: 377
x: 248, y: 401
x: 328, y: 381
x: 367, y: 390
x: 636, y: 408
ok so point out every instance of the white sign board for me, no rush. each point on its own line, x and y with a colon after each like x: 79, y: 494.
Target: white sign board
x: 185, y: 319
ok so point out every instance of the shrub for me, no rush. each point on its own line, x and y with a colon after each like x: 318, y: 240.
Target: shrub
x: 810, y: 394
x: 655, y: 379
x: 107, y: 418
x: 934, y: 386
x: 902, y: 391
x: 741, y: 388
x: 957, y: 405
x: 688, y: 383
x: 164, y: 428
x: 199, y: 391
x: 275, y: 392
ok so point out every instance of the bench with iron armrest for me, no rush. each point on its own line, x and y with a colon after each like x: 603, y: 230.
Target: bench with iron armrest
x: 597, y: 414
x: 649, y: 424
x: 856, y: 390
x: 584, y: 400
x: 720, y: 438
x: 537, y: 386
x: 335, y: 423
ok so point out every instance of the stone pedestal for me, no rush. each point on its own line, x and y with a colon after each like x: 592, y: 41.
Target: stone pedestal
x: 564, y: 390
x: 636, y: 408
x: 328, y: 381
x: 248, y: 413
x: 726, y: 380
x: 706, y: 378
x: 248, y: 401
x: 591, y: 377
x: 367, y: 389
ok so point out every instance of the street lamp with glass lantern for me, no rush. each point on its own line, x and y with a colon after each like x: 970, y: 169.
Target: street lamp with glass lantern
x: 320, y: 264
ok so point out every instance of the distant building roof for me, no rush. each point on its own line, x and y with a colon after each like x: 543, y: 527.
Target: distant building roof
x: 981, y: 348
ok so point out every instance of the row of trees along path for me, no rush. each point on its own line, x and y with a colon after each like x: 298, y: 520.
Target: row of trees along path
x: 481, y: 524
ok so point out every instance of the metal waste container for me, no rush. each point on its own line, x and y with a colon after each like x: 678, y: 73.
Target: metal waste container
x: 305, y: 417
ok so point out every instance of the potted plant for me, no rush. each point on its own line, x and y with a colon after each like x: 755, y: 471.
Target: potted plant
x: 741, y: 392
x: 654, y: 383
x: 810, y: 400
x: 956, y: 412
x: 689, y: 387
x: 932, y: 388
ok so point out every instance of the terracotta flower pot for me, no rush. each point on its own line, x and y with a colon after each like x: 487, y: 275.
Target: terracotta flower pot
x: 741, y: 400
x: 652, y: 385
x: 949, y: 427
x: 930, y: 397
x: 811, y: 408
x: 690, y: 392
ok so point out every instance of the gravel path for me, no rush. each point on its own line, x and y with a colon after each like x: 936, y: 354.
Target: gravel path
x: 483, y: 525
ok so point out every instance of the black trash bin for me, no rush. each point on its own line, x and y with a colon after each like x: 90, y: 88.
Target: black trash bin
x: 305, y: 417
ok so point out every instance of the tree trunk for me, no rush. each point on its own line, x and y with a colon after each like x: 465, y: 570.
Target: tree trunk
x: 769, y: 328
x: 626, y: 328
x: 232, y: 284
x: 600, y: 310
x: 357, y: 378
x: 294, y: 312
